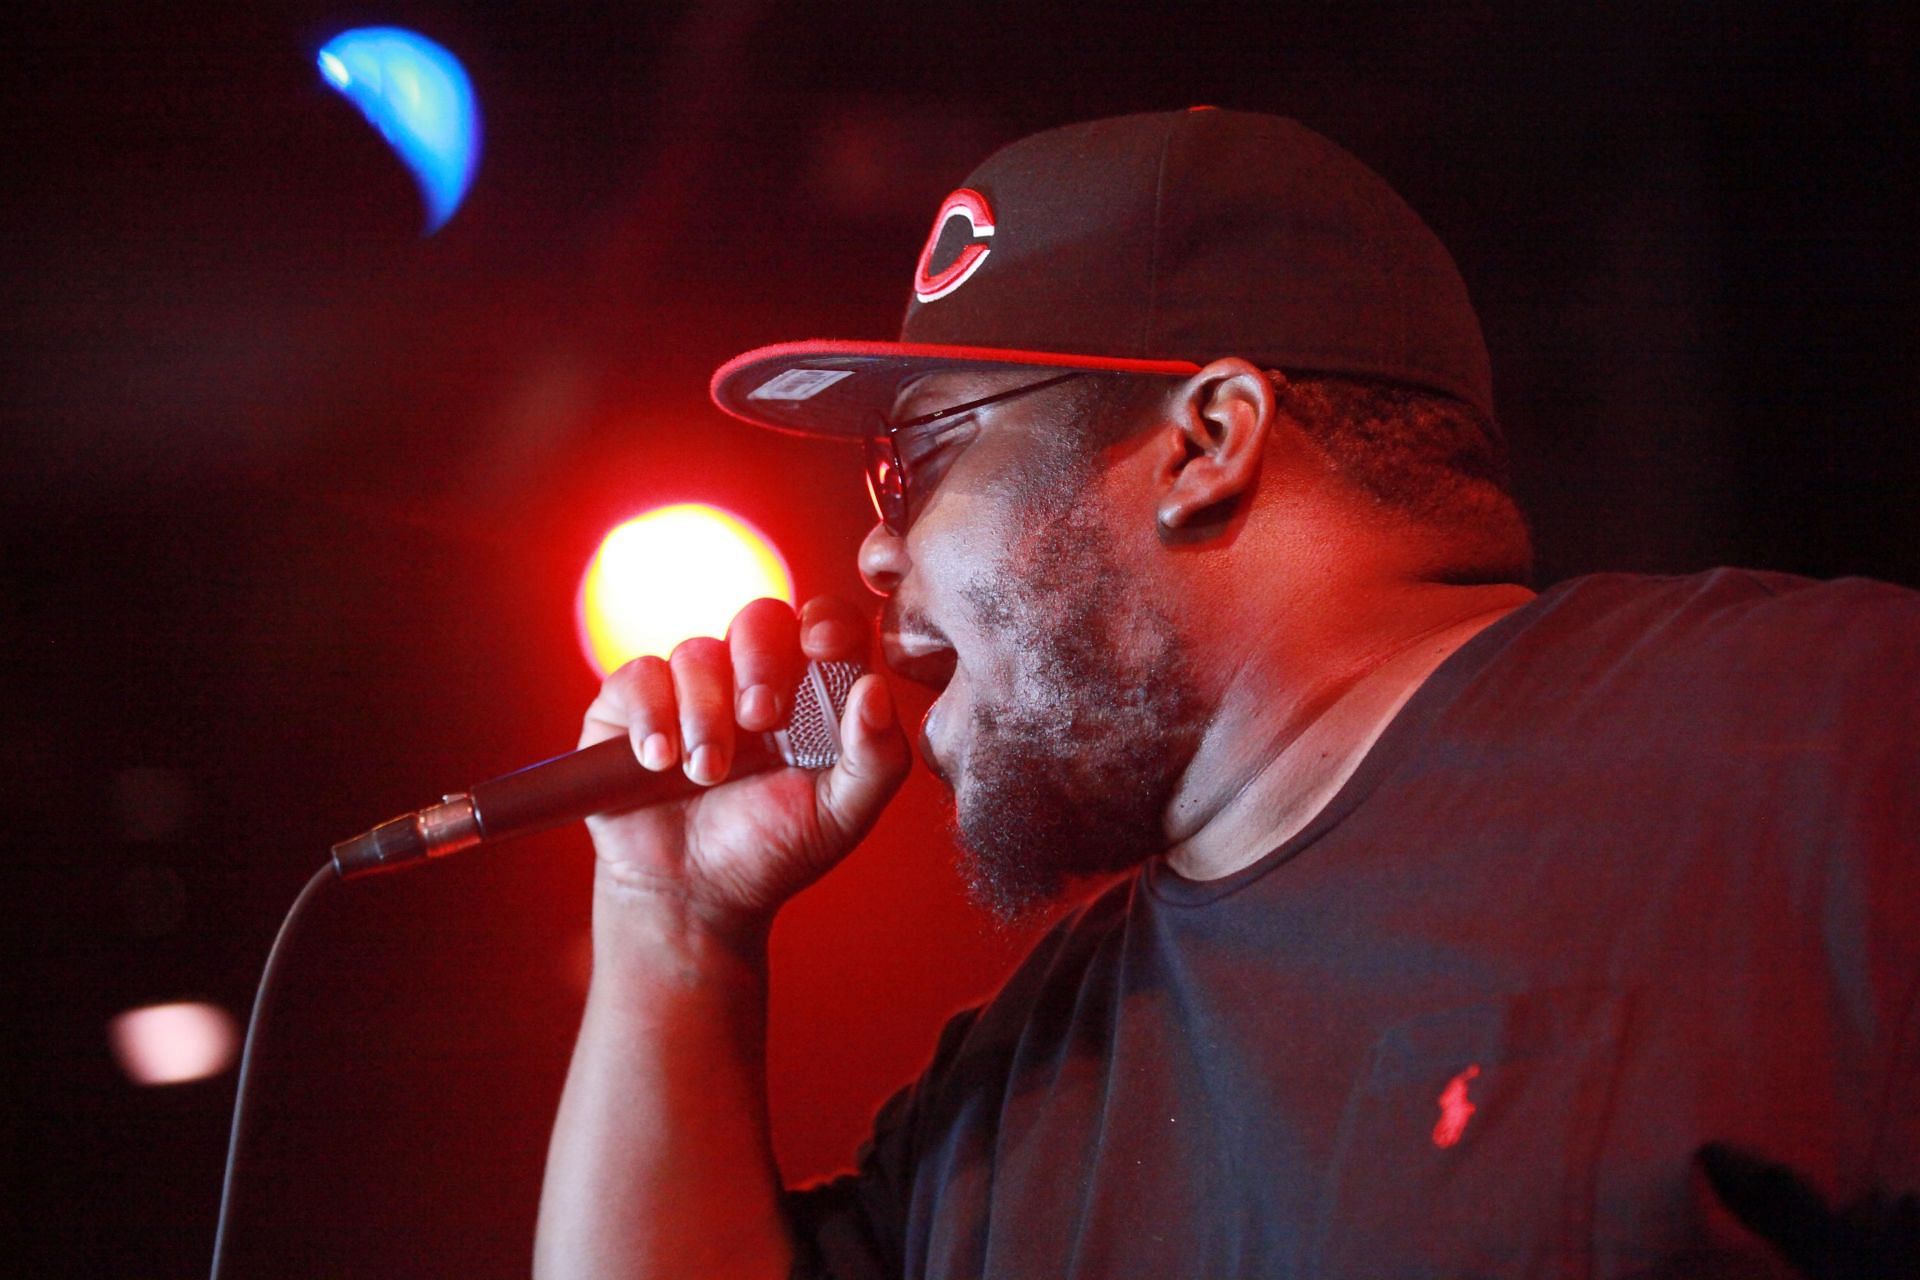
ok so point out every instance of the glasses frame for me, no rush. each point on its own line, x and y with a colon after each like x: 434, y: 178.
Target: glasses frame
x: 886, y: 466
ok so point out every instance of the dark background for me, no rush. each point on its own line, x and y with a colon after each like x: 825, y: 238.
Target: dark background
x: 296, y: 501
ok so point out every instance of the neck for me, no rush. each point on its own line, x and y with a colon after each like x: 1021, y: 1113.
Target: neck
x: 1281, y: 747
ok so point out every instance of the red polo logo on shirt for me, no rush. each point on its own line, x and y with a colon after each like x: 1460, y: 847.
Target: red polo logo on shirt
x: 964, y: 203
x: 1455, y: 1108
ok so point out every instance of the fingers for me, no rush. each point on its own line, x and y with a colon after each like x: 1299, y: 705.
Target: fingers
x: 637, y: 700
x: 833, y: 631
x: 684, y: 710
x: 763, y: 643
x: 703, y: 690
x: 873, y: 761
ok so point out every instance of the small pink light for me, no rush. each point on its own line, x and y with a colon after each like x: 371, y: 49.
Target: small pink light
x: 173, y: 1043
x: 1455, y: 1108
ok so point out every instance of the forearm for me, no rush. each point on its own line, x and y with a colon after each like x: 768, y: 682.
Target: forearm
x: 660, y: 1163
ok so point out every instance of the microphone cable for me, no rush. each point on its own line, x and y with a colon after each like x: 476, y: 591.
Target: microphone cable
x: 594, y: 779
x: 261, y: 998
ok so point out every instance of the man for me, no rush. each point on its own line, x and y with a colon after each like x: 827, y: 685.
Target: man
x: 1468, y: 932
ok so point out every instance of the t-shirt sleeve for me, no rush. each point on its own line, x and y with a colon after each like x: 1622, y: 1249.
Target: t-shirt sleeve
x: 1896, y: 1154
x: 853, y: 1227
x: 1881, y: 732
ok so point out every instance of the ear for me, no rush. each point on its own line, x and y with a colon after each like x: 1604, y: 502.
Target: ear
x: 1217, y: 428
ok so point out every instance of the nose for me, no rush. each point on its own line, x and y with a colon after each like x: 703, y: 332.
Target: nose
x: 883, y: 560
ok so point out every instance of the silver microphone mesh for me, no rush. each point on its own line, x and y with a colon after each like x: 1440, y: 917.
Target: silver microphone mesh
x: 812, y: 736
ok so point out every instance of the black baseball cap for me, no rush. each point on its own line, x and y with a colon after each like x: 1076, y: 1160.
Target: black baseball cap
x: 1149, y: 244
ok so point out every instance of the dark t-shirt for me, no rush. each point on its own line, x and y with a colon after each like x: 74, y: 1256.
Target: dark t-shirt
x: 1638, y: 868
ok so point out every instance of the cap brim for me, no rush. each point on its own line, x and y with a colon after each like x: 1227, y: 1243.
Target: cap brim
x: 845, y: 389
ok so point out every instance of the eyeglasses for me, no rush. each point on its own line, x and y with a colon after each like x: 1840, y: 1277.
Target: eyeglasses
x: 890, y: 447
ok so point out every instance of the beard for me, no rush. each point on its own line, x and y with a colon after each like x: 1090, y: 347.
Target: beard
x: 1070, y: 775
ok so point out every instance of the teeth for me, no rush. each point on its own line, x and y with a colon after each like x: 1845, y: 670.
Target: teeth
x: 913, y: 646
x: 920, y: 661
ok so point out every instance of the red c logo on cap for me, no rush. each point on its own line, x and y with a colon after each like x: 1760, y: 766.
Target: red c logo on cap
x: 964, y: 203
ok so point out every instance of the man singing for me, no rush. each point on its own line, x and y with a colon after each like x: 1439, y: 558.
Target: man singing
x: 1464, y: 931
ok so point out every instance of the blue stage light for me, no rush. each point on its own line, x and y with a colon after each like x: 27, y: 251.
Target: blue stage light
x: 418, y: 96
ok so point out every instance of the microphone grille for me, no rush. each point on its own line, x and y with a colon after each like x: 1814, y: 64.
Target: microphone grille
x: 812, y: 736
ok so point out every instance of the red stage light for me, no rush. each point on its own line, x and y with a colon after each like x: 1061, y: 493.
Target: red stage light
x: 672, y: 573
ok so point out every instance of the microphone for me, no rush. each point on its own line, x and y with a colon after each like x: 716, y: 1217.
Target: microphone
x: 597, y: 779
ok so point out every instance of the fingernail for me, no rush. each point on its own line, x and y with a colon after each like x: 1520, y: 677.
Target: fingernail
x: 877, y: 711
x: 756, y: 705
x: 825, y: 635
x: 707, y: 767
x: 656, y: 752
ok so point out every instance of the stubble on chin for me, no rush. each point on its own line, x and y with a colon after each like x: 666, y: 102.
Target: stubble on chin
x: 1070, y: 775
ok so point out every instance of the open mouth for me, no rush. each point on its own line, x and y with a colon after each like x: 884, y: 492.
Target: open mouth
x: 929, y: 663
x: 920, y: 657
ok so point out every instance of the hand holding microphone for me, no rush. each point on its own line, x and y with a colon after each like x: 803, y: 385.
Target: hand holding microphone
x: 660, y: 737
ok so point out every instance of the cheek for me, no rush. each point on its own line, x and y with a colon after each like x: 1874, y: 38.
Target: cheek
x: 998, y: 574
x: 1006, y: 649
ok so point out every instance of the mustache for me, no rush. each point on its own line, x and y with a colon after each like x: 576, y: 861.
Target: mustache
x: 909, y: 624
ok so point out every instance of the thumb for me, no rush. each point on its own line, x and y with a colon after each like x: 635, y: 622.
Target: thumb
x: 873, y: 761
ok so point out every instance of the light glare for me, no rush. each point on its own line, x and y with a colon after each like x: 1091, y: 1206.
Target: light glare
x: 334, y: 70
x: 673, y: 573
x: 173, y: 1043
x: 418, y: 96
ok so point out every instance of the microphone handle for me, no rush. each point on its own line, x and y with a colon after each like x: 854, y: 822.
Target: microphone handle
x: 598, y: 779
x: 603, y: 778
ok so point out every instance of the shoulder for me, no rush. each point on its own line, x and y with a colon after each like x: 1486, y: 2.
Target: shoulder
x: 1726, y: 600
x: 1729, y: 621
x: 1730, y: 678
